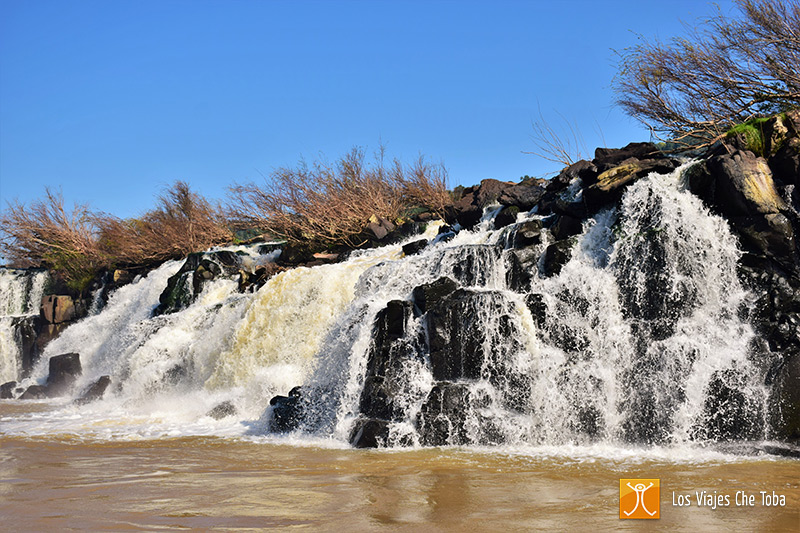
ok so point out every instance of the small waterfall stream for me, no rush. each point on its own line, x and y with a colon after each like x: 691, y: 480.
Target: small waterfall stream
x: 637, y: 340
x: 20, y: 297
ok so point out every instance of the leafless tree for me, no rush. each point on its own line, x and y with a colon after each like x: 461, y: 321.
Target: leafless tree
x: 725, y: 72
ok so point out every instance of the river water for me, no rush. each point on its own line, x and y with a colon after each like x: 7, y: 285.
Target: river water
x: 239, y: 484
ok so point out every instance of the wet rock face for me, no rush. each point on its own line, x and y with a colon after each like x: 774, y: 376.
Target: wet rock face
x: 95, y: 391
x: 287, y: 411
x: 65, y: 369
x: 198, y: 268
x: 743, y: 185
x: 443, y: 416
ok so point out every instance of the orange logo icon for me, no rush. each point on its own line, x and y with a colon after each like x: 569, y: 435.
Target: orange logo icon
x: 639, y: 498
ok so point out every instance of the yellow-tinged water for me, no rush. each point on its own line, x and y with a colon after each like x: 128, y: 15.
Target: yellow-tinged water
x: 234, y: 484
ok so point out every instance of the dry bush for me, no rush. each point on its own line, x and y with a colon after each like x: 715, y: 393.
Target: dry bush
x: 332, y: 204
x: 726, y: 72
x: 424, y: 185
x: 45, y: 233
x: 77, y: 244
x: 183, y: 222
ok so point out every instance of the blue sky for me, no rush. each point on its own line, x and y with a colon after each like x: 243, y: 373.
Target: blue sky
x: 114, y: 100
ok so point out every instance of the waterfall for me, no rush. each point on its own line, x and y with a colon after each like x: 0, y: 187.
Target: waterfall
x: 20, y: 297
x: 634, y: 337
x: 638, y: 339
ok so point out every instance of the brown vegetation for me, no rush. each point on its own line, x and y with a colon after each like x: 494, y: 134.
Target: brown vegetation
x: 332, y: 204
x: 77, y: 244
x: 726, y: 72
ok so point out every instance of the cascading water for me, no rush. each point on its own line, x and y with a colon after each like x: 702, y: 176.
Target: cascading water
x: 20, y: 297
x: 637, y: 339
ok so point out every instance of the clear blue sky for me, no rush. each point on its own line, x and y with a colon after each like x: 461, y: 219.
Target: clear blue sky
x: 114, y: 100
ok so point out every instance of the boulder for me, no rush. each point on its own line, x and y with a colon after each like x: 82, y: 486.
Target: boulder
x: 490, y: 191
x: 7, y: 390
x: 785, y: 164
x: 522, y: 196
x: 35, y: 392
x: 585, y: 170
x: 506, y: 216
x: 58, y: 308
x: 95, y: 391
x: 429, y: 295
x: 566, y: 226
x: 369, y: 433
x: 287, y: 411
x: 729, y: 412
x: 415, y: 247
x: 64, y: 370
x: 612, y: 182
x: 198, y: 268
x: 556, y: 256
x: 222, y: 410
x: 466, y: 211
x: 466, y: 330
x: 743, y: 185
x: 607, y: 158
x: 387, y: 355
x: 522, y: 266
x: 528, y: 233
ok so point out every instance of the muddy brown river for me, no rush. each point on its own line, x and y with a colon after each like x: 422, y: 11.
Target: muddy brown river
x: 71, y: 482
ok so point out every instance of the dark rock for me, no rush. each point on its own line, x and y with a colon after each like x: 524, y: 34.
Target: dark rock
x: 490, y: 191
x: 523, y: 196
x: 198, y: 268
x: 415, y: 247
x: 222, y: 410
x: 729, y: 412
x: 443, y: 415
x: 466, y: 211
x: 743, y: 185
x: 522, y: 266
x: 506, y: 216
x: 26, y: 332
x: 566, y: 226
x: 556, y: 256
x: 606, y: 158
x: 771, y: 235
x: 612, y: 182
x: 430, y: 294
x: 389, y: 350
x: 528, y: 233
x: 63, y: 371
x: 785, y: 400
x: 287, y: 411
x: 461, y: 343
x: 35, y: 392
x: 785, y: 164
x: 369, y: 433
x: 295, y: 253
x: 95, y: 391
x: 583, y: 169
x: 179, y: 293
x: 538, y: 308
x: 122, y: 277
x: 574, y: 208
x: 7, y: 390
